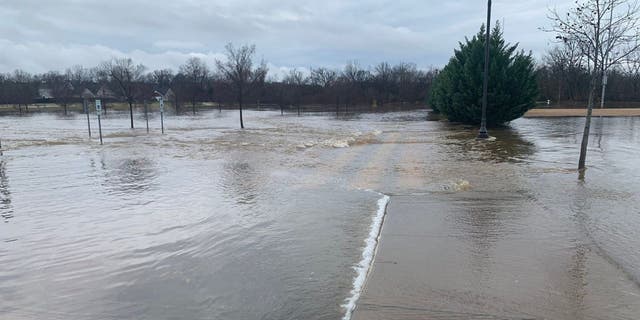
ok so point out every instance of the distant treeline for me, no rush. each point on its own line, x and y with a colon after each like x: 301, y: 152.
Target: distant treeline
x: 195, y: 83
x: 563, y: 78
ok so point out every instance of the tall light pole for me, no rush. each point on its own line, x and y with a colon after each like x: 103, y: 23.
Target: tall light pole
x: 483, y: 134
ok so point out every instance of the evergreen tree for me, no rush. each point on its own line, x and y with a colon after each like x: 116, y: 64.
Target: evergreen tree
x: 457, y: 91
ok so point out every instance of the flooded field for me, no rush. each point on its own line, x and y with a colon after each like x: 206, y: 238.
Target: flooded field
x: 275, y: 222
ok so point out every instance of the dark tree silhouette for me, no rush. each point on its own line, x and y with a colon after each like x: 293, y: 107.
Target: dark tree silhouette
x: 195, y: 72
x: 238, y: 69
x: 125, y: 74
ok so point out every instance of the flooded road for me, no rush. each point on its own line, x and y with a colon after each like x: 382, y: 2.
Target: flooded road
x: 210, y: 222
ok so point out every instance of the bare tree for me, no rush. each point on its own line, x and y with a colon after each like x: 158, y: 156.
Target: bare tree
x: 406, y: 76
x: 606, y: 32
x: 327, y: 80
x: 102, y: 79
x: 295, y: 81
x: 126, y: 75
x: 195, y: 71
x: 161, y: 78
x: 180, y: 88
x: 566, y: 63
x: 631, y: 69
x: 4, y: 84
x: 323, y: 77
x: 61, y: 88
x: 79, y: 76
x: 384, y: 82
x: 23, y: 89
x: 354, y: 77
x: 211, y: 89
x: 239, y: 70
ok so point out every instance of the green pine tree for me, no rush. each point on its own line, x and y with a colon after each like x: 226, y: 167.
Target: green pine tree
x: 457, y: 91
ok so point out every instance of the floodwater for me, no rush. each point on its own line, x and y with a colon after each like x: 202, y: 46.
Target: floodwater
x: 279, y: 221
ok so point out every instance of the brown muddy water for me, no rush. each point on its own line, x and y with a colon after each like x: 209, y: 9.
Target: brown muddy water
x: 279, y: 221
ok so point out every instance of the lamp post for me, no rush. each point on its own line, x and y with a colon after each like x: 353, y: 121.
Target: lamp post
x: 483, y: 134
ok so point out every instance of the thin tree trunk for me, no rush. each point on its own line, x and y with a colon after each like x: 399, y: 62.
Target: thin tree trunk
x: 193, y: 106
x: 587, y: 124
x: 592, y: 93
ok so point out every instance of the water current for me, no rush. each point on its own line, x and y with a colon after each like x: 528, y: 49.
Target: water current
x: 277, y: 221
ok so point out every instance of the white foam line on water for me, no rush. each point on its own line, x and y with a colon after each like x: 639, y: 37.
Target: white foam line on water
x: 368, y: 254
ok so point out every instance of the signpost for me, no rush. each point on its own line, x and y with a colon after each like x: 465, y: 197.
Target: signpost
x: 160, y: 99
x: 98, y: 111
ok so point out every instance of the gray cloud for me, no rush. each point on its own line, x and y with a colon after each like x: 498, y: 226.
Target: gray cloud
x: 50, y: 35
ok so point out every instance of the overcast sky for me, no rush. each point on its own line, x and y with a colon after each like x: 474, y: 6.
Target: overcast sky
x: 42, y: 35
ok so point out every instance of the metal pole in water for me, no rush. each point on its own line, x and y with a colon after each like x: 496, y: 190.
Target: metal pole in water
x: 160, y: 99
x: 146, y: 114
x: 99, y: 111
x: 162, y: 114
x: 483, y: 134
x: 85, y: 106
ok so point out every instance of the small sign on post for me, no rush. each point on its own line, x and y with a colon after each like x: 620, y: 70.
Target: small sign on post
x: 160, y: 99
x: 98, y: 111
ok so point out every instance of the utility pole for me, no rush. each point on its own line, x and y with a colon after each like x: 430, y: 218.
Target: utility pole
x: 483, y: 134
